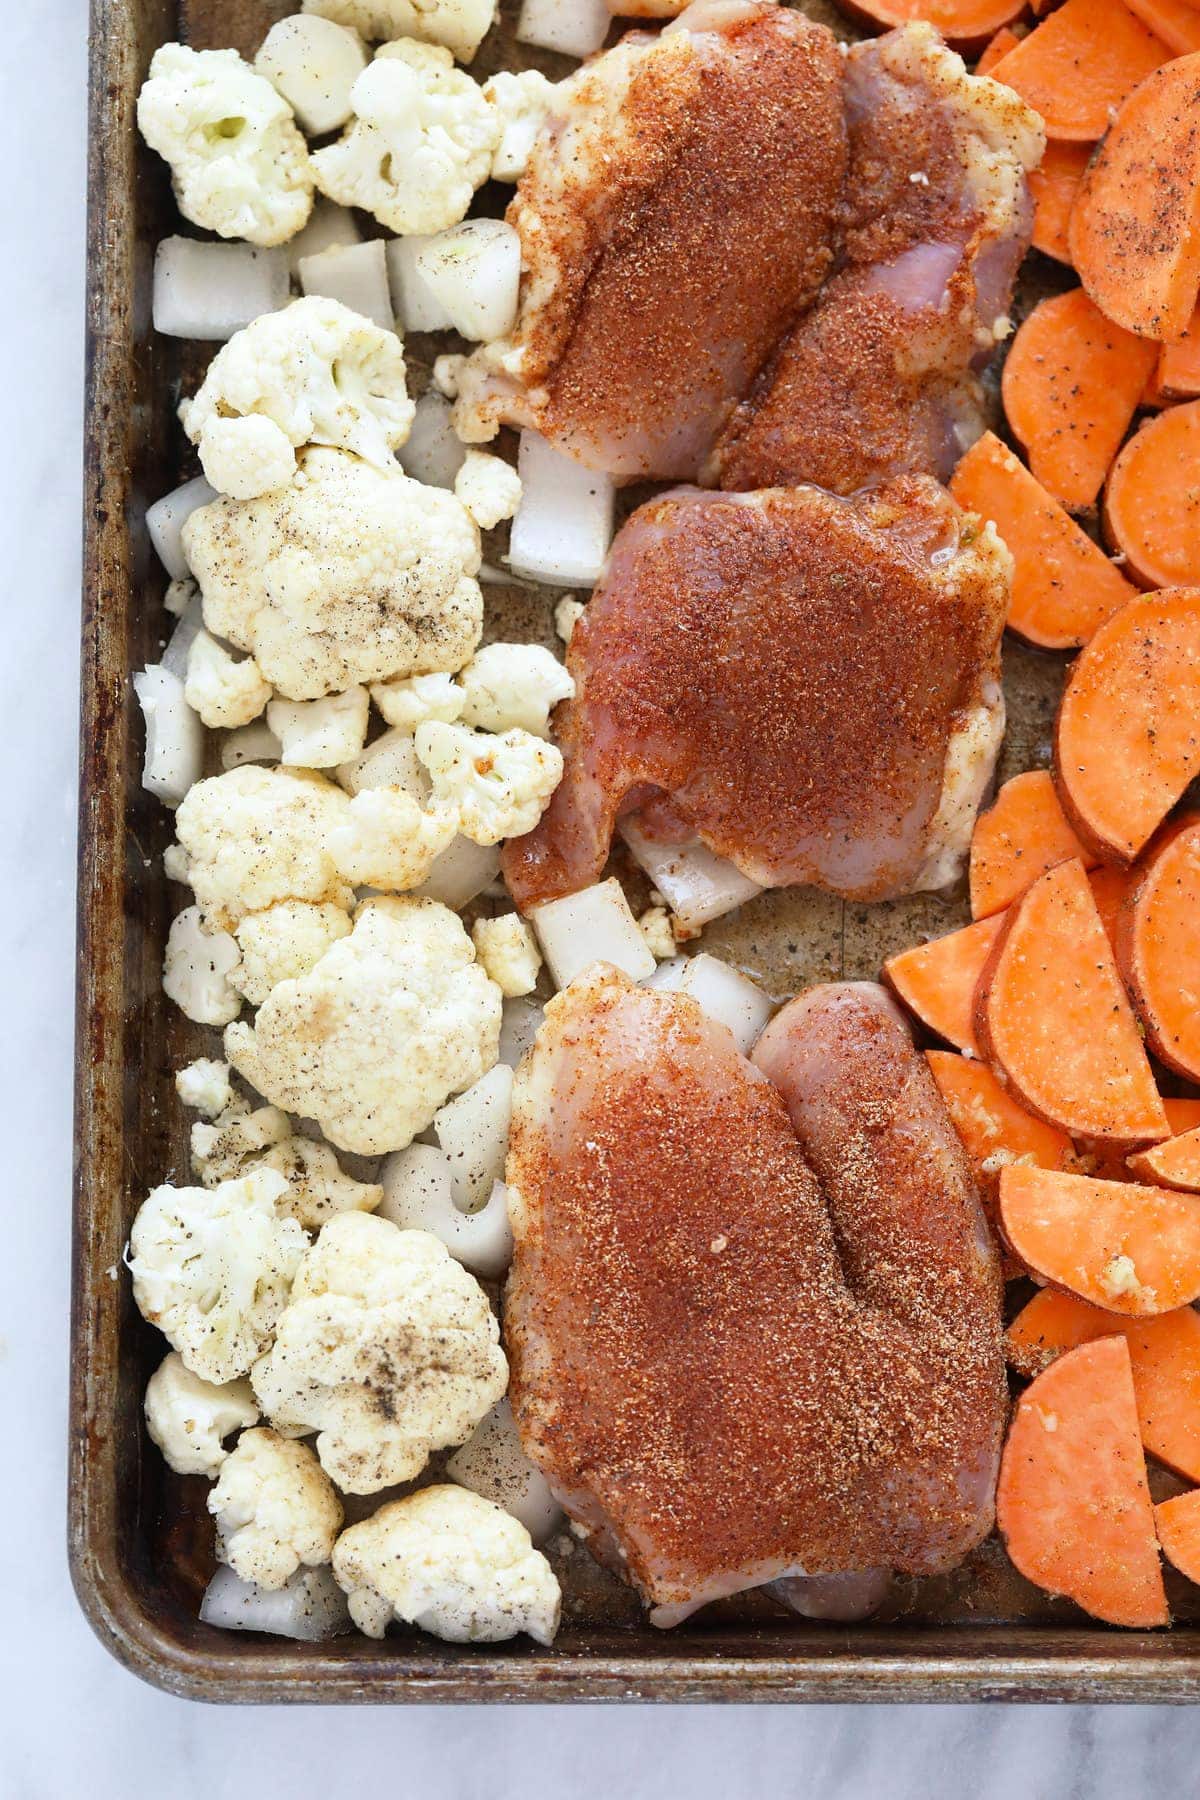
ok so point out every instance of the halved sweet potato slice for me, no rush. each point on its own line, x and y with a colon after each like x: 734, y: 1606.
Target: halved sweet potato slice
x: 1151, y: 501
x: 1054, y: 185
x: 1079, y: 63
x: 937, y: 980
x: 1158, y: 950
x: 1177, y: 1523
x: 1022, y: 834
x: 966, y: 25
x: 1175, y: 1163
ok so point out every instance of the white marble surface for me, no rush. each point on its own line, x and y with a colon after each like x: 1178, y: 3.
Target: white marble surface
x: 71, y: 1722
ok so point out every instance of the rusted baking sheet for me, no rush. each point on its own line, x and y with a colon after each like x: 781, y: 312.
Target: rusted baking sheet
x: 140, y: 1543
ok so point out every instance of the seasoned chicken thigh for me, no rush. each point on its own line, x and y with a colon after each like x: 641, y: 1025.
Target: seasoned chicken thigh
x: 754, y: 1324
x: 814, y: 683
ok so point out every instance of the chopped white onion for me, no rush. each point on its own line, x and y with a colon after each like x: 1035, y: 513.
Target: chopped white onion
x: 492, y: 1463
x: 327, y: 225
x: 418, y: 1196
x: 473, y: 270
x: 519, y: 1024
x: 432, y: 453
x: 207, y: 291
x: 189, y: 625
x: 723, y: 993
x: 355, y: 274
x: 472, y: 1130
x: 174, y: 759
x: 413, y: 300
x: 461, y: 872
x: 314, y: 64
x: 165, y: 521
x: 310, y: 1607
x: 564, y: 524
x: 696, y: 884
x: 391, y: 761
x: 250, y: 744
x: 594, y: 925
x: 574, y: 27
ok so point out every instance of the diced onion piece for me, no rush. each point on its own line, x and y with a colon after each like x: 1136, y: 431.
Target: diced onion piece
x: 564, y: 524
x: 250, y: 744
x: 327, y: 225
x: 310, y: 1607
x: 492, y: 1463
x: 391, y: 761
x: 574, y: 27
x: 413, y: 300
x: 725, y: 995
x: 174, y: 759
x: 207, y: 291
x: 461, y: 872
x: 165, y: 520
x: 314, y: 64
x: 594, y: 925
x: 432, y: 452
x: 696, y: 884
x: 519, y: 1024
x: 418, y: 1196
x: 189, y: 625
x: 472, y: 1130
x: 355, y: 274
x: 473, y: 270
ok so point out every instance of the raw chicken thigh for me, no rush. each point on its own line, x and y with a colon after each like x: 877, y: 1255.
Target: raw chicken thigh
x: 754, y: 1324
x: 812, y: 681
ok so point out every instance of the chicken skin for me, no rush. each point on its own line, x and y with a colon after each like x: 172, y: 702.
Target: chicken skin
x: 753, y: 1316
x: 808, y: 685
x: 753, y: 260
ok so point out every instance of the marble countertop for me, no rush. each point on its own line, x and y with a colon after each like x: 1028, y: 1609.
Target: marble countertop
x: 71, y: 1721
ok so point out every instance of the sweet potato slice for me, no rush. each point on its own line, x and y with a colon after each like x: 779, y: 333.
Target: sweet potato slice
x: 966, y: 25
x: 1134, y: 233
x: 996, y: 47
x: 1177, y: 1523
x: 1175, y: 1163
x: 1152, y: 500
x: 1054, y: 186
x: 1052, y: 1017
x: 1022, y: 834
x: 1072, y: 1503
x: 1127, y: 740
x: 1174, y: 23
x: 1164, y: 1354
x: 1110, y: 890
x: 1158, y: 950
x: 1064, y: 587
x: 1182, y: 1115
x: 1071, y: 385
x: 1178, y: 371
x: 1079, y: 63
x: 1129, y: 1249
x: 937, y: 981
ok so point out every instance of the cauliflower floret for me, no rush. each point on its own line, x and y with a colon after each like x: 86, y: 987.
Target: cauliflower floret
x: 488, y: 487
x: 221, y: 1150
x: 509, y: 952
x: 318, y: 1186
x: 352, y: 574
x: 254, y: 836
x: 320, y: 734
x: 198, y: 967
x: 187, y: 1417
x: 212, y: 1269
x: 499, y: 786
x: 389, y: 841
x: 421, y: 141
x: 451, y: 1562
x: 388, y: 1350
x: 407, y: 704
x: 238, y: 164
x: 522, y: 101
x: 446, y: 372
x: 461, y: 25
x: 513, y: 687
x: 284, y: 941
x: 321, y: 373
x: 275, y: 1509
x: 204, y: 1085
x: 655, y: 927
x: 390, y: 1023
x: 226, y: 693
x: 246, y: 456
x: 567, y: 615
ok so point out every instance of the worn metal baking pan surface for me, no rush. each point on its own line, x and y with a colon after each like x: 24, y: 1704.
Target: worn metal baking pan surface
x: 140, y: 1539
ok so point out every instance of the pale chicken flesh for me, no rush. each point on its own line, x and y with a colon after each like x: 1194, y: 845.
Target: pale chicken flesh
x: 754, y: 1311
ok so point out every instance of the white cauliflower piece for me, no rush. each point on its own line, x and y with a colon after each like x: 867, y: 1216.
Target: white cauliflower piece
x: 446, y: 372
x: 509, y: 952
x: 275, y: 1509
x: 388, y: 1350
x: 198, y: 967
x: 239, y: 166
x: 254, y: 836
x: 488, y: 487
x: 221, y: 1149
x: 226, y: 693
x: 408, y: 703
x: 188, y: 1418
x: 246, y: 456
x: 284, y: 941
x: 655, y: 927
x: 320, y: 373
x: 522, y: 101
x: 352, y: 574
x: 461, y: 25
x: 420, y: 143
x: 318, y: 1186
x: 212, y: 1268
x: 499, y: 786
x: 510, y: 687
x: 451, y: 1562
x: 320, y: 734
x: 204, y: 1086
x: 567, y: 615
x: 391, y: 1022
x: 389, y: 841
